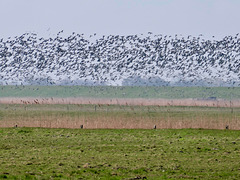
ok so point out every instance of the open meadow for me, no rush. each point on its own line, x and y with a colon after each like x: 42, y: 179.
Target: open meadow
x: 42, y: 153
x: 119, y: 134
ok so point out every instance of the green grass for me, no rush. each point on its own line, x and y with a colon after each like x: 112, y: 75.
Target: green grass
x: 120, y: 92
x: 38, y: 153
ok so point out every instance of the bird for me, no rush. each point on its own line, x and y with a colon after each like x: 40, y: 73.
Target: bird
x: 118, y: 60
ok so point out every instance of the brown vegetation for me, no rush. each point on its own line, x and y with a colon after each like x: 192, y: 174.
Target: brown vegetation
x: 123, y: 101
x: 120, y: 122
x: 119, y: 117
x: 120, y: 113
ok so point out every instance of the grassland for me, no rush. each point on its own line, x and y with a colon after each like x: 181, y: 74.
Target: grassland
x: 121, y: 92
x: 118, y: 140
x: 40, y: 153
x: 118, y: 116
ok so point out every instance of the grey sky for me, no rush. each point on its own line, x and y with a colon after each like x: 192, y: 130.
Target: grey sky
x: 186, y: 17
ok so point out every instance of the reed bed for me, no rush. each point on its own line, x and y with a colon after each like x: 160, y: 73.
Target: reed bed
x: 97, y: 116
x: 122, y: 101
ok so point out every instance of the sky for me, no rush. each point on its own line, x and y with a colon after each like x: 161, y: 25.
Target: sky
x: 217, y: 18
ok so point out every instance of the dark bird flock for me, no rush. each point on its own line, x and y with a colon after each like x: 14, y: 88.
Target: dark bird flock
x: 133, y: 60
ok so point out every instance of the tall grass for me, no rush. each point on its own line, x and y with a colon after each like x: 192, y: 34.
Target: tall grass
x: 118, y: 116
x: 122, y: 101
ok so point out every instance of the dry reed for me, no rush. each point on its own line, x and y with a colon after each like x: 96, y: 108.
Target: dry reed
x: 133, y: 113
x: 131, y: 117
x: 123, y: 101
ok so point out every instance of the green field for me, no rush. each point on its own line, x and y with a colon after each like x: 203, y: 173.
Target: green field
x: 118, y: 141
x: 120, y: 92
x: 39, y: 153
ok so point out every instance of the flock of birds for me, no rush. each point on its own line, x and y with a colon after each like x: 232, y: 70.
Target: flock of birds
x: 133, y: 60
